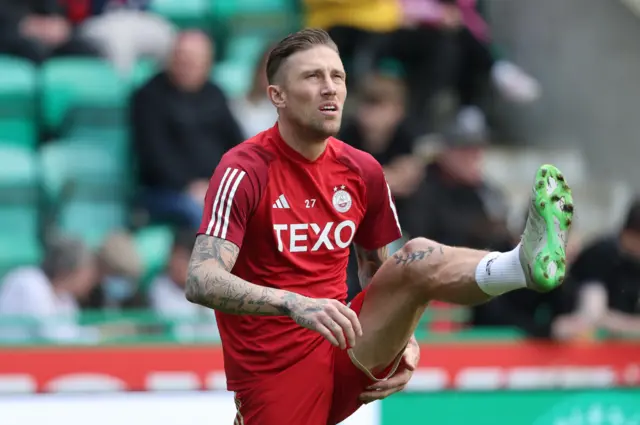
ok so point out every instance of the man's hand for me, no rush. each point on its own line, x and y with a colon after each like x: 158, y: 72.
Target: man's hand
x: 330, y: 318
x: 397, y: 382
x: 572, y: 327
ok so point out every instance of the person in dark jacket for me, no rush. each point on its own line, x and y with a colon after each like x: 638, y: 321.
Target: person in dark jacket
x: 182, y: 125
x: 37, y: 30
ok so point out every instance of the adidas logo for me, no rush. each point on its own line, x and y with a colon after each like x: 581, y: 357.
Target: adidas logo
x: 281, y: 202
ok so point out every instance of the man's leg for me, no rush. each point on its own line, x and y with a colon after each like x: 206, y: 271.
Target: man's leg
x: 425, y: 270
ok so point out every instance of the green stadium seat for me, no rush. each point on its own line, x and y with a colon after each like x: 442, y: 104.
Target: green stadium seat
x: 184, y: 13
x: 153, y: 245
x: 240, y: 8
x: 81, y: 91
x: 92, y: 221
x: 142, y: 72
x: 83, y: 165
x: 18, y: 86
x: 247, y: 48
x: 113, y: 141
x: 19, y: 202
x: 87, y: 187
x: 234, y: 78
x: 267, y: 18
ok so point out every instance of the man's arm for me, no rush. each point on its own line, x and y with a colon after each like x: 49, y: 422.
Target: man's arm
x: 210, y: 283
x: 369, y: 262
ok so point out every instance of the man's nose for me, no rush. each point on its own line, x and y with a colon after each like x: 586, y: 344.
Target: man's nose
x: 329, y: 88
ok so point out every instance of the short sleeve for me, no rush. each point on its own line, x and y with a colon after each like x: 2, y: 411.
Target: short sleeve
x: 380, y: 225
x: 232, y: 196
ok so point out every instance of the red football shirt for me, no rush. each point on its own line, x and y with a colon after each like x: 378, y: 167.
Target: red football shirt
x: 293, y: 220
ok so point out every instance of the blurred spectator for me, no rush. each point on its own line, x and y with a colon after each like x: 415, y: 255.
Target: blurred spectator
x: 255, y: 112
x: 477, y: 60
x: 454, y: 205
x: 37, y: 30
x: 48, y: 295
x: 119, y: 272
x: 182, y: 125
x: 378, y: 128
x: 606, y: 280
x: 167, y: 294
x: 123, y: 30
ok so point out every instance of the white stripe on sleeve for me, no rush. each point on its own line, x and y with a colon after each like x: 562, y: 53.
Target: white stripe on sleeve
x: 229, y: 204
x: 223, y: 201
x: 215, y: 203
x: 393, y: 208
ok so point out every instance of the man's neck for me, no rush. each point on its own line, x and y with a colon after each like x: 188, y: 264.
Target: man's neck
x: 301, y: 143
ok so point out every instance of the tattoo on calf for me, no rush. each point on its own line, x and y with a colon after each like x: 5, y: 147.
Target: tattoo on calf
x: 406, y: 259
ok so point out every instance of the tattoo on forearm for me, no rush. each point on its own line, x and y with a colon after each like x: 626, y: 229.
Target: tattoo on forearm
x: 210, y: 283
x: 292, y: 303
x: 369, y: 262
x: 212, y: 287
x: 411, y: 257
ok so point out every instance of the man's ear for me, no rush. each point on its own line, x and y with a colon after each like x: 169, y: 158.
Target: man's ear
x: 277, y: 96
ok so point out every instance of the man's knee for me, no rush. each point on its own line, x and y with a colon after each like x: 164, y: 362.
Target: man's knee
x: 419, y: 259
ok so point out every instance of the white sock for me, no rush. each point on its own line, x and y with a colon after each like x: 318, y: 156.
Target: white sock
x: 500, y: 272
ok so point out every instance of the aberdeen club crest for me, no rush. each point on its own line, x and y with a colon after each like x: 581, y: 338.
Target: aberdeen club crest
x: 341, y: 199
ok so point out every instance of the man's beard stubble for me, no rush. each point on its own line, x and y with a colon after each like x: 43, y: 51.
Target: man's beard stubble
x: 317, y: 130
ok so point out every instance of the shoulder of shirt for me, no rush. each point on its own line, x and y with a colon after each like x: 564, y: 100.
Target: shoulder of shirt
x: 361, y: 162
x: 252, y: 155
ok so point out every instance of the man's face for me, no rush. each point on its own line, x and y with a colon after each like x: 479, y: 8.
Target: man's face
x: 191, y: 61
x: 464, y: 164
x: 311, y: 91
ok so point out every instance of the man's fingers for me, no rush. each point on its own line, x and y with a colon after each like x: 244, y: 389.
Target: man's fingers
x: 347, y: 327
x: 336, y: 331
x: 369, y: 396
x: 353, y: 317
x: 326, y: 333
x: 400, y: 379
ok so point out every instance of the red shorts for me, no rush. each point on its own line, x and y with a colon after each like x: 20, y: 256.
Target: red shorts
x: 321, y: 389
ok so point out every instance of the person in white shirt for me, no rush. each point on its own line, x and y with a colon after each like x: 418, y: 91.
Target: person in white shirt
x: 41, y: 303
x: 254, y: 111
x: 167, y: 294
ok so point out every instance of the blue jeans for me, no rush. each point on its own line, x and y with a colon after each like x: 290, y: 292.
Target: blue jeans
x: 173, y: 206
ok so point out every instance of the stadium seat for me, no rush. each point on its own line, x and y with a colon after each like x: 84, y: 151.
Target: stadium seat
x: 243, y: 8
x: 247, y: 48
x: 87, y: 187
x: 266, y: 19
x: 142, y: 72
x: 154, y: 245
x: 19, y: 219
x: 184, y: 13
x: 18, y: 85
x: 81, y: 91
x: 92, y: 221
x: 234, y: 78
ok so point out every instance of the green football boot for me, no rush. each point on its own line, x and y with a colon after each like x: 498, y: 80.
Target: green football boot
x: 544, y: 241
